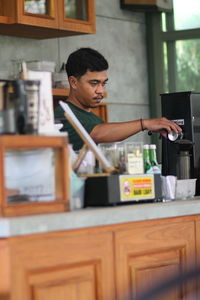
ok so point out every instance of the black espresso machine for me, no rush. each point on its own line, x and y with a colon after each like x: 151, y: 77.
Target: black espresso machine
x: 183, y: 152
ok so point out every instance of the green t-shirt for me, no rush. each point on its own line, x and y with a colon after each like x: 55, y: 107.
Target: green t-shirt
x: 87, y: 119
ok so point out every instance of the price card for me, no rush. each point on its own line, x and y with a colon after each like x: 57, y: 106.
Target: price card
x: 136, y: 187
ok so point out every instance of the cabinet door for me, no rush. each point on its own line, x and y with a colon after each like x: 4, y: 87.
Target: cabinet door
x: 145, y: 255
x: 77, y: 15
x: 41, y: 13
x: 75, y: 266
x: 198, y: 253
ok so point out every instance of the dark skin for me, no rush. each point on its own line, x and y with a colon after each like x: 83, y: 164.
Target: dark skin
x: 87, y: 92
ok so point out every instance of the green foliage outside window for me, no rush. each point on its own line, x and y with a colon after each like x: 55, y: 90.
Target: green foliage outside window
x: 188, y: 65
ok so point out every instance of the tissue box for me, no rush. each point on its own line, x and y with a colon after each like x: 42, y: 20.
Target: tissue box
x: 185, y: 188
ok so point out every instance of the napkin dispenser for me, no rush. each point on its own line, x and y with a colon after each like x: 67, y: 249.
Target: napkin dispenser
x: 122, y: 189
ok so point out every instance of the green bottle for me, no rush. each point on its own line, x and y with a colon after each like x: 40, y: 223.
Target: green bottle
x: 153, y: 159
x: 147, y: 163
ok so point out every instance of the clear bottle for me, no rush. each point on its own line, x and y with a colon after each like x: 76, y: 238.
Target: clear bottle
x: 153, y: 159
x: 147, y: 163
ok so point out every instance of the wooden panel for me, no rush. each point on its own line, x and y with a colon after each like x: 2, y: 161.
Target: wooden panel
x: 5, y: 284
x: 145, y: 254
x: 72, y: 282
x: 198, y: 253
x: 149, y: 268
x: 62, y: 266
x: 88, y: 26
x: 50, y: 20
x: 60, y: 93
x: 198, y: 239
x: 4, y: 19
x: 8, y: 10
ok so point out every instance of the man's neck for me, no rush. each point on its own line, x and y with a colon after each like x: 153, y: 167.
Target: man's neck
x: 72, y: 99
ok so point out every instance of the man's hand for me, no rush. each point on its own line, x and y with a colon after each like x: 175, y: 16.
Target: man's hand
x: 162, y: 125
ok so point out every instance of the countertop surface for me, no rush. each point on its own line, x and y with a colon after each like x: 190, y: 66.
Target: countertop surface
x: 90, y: 217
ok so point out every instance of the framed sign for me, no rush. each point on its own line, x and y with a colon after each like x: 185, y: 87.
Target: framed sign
x: 34, y: 175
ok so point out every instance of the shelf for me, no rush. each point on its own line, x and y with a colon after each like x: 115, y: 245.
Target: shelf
x: 64, y: 92
x: 60, y: 92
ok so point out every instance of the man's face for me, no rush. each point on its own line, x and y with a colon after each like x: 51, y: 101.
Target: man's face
x: 89, y: 89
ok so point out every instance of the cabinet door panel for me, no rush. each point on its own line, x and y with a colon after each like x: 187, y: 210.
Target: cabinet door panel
x: 198, y: 254
x: 146, y: 255
x: 63, y: 266
x: 80, y: 19
x: 74, y: 283
x: 29, y: 16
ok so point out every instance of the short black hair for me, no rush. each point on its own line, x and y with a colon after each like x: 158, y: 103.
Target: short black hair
x: 83, y: 60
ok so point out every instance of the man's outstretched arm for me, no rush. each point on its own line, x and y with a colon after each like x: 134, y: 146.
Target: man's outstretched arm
x: 118, y: 131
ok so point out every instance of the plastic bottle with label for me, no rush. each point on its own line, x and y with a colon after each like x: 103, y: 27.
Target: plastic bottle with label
x: 147, y: 163
x: 153, y: 159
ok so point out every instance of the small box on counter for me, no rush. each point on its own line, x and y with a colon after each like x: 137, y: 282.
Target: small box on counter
x: 122, y: 189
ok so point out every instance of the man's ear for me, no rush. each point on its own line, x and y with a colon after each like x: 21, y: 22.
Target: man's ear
x: 72, y: 81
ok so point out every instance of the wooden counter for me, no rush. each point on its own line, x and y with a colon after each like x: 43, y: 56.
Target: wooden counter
x: 101, y: 257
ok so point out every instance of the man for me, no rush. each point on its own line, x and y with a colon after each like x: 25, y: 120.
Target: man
x: 87, y: 74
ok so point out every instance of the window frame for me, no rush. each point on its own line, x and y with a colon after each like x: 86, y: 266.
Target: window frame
x: 155, y: 38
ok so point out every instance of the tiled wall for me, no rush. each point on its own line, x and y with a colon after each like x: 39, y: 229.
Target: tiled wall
x: 120, y: 37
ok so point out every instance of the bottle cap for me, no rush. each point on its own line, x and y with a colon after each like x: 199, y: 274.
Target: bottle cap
x: 146, y: 146
x: 152, y: 146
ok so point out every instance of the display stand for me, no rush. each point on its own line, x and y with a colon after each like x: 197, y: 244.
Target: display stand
x: 61, y: 166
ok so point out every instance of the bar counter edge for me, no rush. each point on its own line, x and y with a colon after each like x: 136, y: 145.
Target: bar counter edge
x: 91, y: 217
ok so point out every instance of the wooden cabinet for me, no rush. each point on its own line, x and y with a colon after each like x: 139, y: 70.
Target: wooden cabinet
x: 61, y: 265
x: 147, y: 5
x: 46, y: 19
x: 198, y: 253
x: 102, y: 263
x: 147, y: 254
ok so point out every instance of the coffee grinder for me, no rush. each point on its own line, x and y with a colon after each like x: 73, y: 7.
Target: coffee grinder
x: 19, y: 106
x: 181, y: 155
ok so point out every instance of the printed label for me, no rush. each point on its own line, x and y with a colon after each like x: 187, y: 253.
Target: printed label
x: 179, y: 122
x: 136, y: 187
x: 135, y: 164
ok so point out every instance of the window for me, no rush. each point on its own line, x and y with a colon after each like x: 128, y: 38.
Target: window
x: 186, y: 14
x: 173, y: 50
x: 181, y: 46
